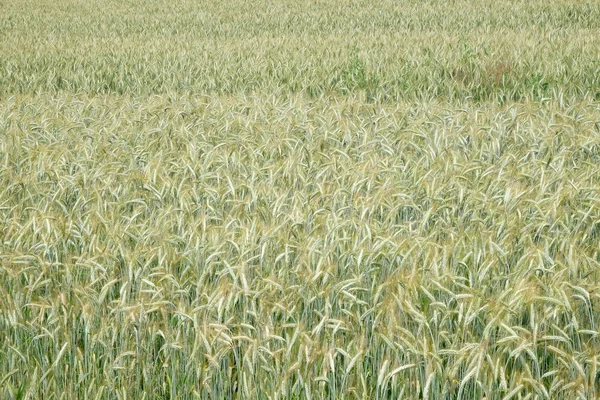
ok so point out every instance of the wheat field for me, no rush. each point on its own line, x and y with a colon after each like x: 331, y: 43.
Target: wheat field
x: 335, y: 199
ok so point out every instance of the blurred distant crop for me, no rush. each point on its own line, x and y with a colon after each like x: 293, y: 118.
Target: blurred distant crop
x: 299, y: 200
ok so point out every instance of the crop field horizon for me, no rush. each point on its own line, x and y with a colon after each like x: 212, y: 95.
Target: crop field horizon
x: 321, y: 200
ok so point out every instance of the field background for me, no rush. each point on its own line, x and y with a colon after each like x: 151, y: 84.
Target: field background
x: 288, y: 200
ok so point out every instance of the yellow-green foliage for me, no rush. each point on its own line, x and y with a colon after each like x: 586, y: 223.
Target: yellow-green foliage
x: 289, y: 200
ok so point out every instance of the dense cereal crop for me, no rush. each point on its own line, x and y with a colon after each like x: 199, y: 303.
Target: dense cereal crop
x: 299, y: 200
